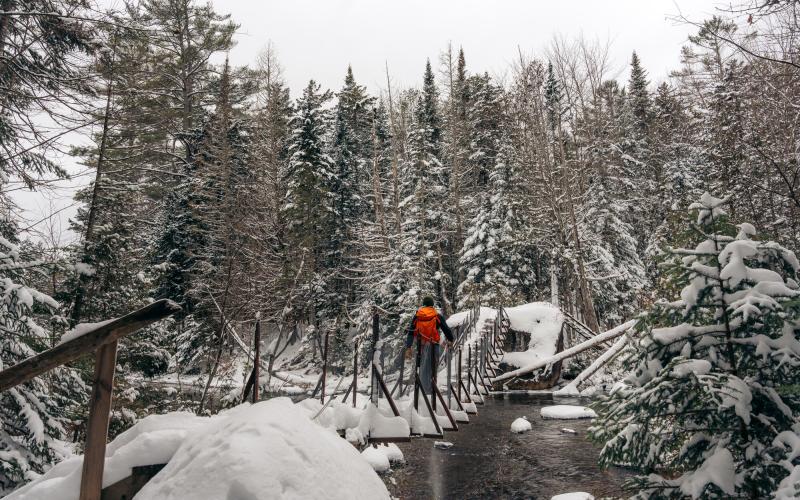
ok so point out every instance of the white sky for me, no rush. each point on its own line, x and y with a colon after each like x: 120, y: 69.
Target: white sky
x: 319, y: 38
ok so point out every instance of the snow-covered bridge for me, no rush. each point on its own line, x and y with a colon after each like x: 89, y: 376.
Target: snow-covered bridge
x: 305, y: 449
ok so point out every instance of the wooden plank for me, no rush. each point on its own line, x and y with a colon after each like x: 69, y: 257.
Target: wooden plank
x: 97, y: 428
x: 89, y: 342
x: 397, y: 439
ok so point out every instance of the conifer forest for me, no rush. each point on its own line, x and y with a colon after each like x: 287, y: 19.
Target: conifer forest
x: 562, y: 188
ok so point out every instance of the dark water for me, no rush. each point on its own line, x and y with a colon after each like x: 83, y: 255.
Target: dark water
x: 488, y: 461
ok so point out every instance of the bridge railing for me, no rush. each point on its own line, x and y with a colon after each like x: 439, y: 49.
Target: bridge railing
x: 102, y: 340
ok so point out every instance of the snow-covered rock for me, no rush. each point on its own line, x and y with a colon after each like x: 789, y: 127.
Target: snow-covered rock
x: 567, y: 412
x: 376, y: 458
x: 575, y: 495
x: 520, y: 425
x: 272, y: 446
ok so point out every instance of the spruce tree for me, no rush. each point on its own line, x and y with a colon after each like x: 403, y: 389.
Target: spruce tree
x: 34, y: 416
x: 709, y: 408
x: 308, y: 208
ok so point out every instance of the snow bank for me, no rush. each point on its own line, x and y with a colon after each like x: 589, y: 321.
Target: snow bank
x: 567, y: 412
x: 575, y: 495
x: 520, y: 425
x: 268, y: 450
x: 543, y: 321
x: 153, y: 440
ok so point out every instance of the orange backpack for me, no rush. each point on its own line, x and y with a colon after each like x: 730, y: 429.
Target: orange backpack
x: 427, y: 326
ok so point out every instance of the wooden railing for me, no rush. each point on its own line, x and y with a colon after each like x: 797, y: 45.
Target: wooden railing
x: 103, y: 341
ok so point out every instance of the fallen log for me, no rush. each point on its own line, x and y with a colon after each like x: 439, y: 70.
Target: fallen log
x: 571, y: 389
x: 598, y: 339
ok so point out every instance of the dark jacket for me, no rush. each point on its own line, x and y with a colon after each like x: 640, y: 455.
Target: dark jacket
x: 442, y: 326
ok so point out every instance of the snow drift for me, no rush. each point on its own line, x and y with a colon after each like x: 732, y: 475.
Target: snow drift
x: 271, y: 449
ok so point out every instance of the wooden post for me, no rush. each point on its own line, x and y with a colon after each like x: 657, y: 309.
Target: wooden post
x: 449, y: 375
x: 376, y: 337
x: 378, y: 376
x: 430, y: 410
x: 434, y: 368
x: 324, y: 367
x: 257, y: 361
x: 469, y: 364
x: 458, y: 374
x: 416, y: 375
x: 97, y: 428
x: 355, y: 373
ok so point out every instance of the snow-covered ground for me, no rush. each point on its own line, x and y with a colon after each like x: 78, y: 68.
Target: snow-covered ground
x: 271, y: 449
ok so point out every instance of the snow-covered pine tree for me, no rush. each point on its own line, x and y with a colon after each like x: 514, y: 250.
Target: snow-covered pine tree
x: 352, y: 153
x: 425, y: 189
x: 201, y: 255
x: 33, y: 416
x: 710, y: 408
x: 308, y: 207
x: 618, y: 273
x: 491, y: 259
x: 635, y: 151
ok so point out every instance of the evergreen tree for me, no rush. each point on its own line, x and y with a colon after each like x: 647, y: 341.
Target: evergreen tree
x: 34, y: 416
x: 493, y: 260
x: 425, y: 186
x: 638, y: 98
x: 708, y: 411
x: 308, y: 206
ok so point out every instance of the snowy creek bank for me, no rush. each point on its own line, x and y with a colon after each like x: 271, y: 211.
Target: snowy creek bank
x: 268, y: 450
x: 487, y: 460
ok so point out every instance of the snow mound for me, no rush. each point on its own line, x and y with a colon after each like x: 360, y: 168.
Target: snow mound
x: 575, y: 495
x: 271, y: 446
x: 520, y: 425
x: 153, y: 440
x: 376, y: 458
x: 381, y: 456
x: 543, y: 321
x: 567, y: 412
x: 393, y: 453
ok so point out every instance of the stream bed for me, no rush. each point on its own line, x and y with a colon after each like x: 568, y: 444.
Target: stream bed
x: 488, y: 461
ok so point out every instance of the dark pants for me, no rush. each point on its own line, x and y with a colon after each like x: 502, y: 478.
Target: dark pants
x: 425, y: 364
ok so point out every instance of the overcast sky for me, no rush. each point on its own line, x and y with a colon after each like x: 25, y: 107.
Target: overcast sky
x: 318, y: 39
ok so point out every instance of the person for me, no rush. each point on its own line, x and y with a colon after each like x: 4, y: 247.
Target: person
x: 425, y: 326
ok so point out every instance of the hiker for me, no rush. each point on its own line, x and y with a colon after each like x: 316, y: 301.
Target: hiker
x: 425, y: 326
